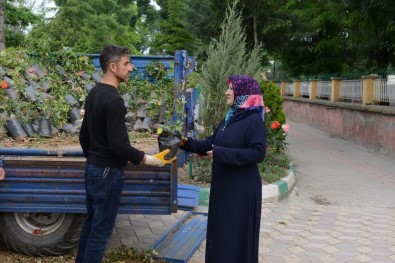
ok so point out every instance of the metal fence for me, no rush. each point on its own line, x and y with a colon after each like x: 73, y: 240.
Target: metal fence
x: 305, y: 89
x: 324, y: 89
x: 289, y: 91
x: 351, y: 91
x: 384, y: 90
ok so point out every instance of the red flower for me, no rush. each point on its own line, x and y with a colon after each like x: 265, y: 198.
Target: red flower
x: 275, y: 125
x: 4, y: 84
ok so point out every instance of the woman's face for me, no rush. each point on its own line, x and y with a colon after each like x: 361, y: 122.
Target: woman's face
x: 230, y: 95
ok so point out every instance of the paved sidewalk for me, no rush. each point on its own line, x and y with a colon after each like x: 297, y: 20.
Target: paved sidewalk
x: 342, y: 208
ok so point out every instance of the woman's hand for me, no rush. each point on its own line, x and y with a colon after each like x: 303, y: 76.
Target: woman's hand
x: 2, y: 173
x: 183, y: 141
x: 211, y: 153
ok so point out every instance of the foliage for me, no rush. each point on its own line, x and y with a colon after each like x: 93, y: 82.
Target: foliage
x: 166, y: 108
x: 67, y: 73
x: 17, y: 19
x: 277, y: 161
x: 226, y: 56
x: 17, y: 61
x: 305, y: 38
x: 203, y: 23
x: 146, y: 25
x: 275, y: 165
x: 370, y: 34
x: 122, y: 253
x: 201, y: 169
x: 273, y: 168
x: 102, y: 24
x: 274, y: 116
x: 172, y: 34
x: 156, y: 70
x: 273, y: 100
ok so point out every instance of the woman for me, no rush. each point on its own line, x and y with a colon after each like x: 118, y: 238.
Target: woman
x: 236, y: 147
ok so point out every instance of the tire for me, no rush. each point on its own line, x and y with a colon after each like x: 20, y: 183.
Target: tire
x: 40, y: 234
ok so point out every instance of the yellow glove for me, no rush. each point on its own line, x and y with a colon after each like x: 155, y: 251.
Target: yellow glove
x: 161, y: 156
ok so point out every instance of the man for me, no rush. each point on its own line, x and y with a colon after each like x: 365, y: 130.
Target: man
x: 105, y: 143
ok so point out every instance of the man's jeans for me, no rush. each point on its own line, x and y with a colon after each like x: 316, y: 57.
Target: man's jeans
x: 103, y: 195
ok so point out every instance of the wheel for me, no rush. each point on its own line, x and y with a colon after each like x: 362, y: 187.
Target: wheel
x: 41, y: 234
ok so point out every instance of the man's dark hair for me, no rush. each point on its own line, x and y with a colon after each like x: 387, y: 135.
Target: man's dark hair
x: 110, y: 54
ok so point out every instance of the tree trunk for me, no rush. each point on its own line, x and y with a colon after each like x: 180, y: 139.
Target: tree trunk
x: 2, y: 26
x: 256, y: 40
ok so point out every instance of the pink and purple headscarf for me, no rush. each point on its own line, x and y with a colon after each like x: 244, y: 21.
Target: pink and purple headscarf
x: 247, y: 96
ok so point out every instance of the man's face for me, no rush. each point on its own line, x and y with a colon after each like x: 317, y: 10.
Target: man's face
x: 123, y: 69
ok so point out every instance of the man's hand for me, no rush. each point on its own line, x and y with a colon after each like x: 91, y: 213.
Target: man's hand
x: 161, y: 156
x: 158, y: 159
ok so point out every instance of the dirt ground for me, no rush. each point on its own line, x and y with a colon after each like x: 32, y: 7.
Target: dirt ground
x: 7, y: 256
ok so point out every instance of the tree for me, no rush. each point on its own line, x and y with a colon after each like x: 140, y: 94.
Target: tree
x: 146, y: 23
x: 87, y: 26
x: 227, y: 56
x: 14, y: 19
x: 2, y: 25
x: 202, y: 22
x: 172, y: 33
x: 371, y: 33
x: 316, y: 41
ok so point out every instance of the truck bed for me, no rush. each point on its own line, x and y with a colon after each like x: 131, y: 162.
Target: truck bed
x: 43, y: 180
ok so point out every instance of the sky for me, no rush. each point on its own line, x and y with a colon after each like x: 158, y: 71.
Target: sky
x: 38, y: 3
x: 50, y: 3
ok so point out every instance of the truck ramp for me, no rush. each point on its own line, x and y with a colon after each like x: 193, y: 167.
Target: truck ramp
x: 179, y: 243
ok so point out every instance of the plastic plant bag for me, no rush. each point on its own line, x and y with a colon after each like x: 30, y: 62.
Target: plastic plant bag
x: 15, y: 129
x: 71, y: 100
x: 74, y: 114
x: 168, y: 140
x: 11, y: 94
x: 29, y: 129
x: 30, y: 93
x: 44, y: 128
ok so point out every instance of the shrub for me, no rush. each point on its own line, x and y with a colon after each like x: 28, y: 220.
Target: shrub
x: 275, y: 165
x: 201, y: 169
x: 274, y: 117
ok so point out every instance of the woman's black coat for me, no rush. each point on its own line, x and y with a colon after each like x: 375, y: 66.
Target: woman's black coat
x: 236, y: 188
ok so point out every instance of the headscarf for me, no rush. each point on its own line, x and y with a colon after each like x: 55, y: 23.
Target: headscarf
x: 247, y: 96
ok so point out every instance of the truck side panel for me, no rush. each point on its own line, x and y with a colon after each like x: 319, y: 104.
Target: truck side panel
x: 56, y: 185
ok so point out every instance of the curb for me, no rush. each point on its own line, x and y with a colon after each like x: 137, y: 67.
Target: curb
x: 270, y: 193
x: 276, y: 191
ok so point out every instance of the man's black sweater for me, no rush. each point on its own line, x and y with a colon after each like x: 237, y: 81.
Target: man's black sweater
x: 103, y: 136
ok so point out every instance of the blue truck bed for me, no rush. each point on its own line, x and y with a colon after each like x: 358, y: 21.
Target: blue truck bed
x: 49, y: 183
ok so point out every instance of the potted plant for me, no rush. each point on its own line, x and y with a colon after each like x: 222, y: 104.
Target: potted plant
x: 172, y: 131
